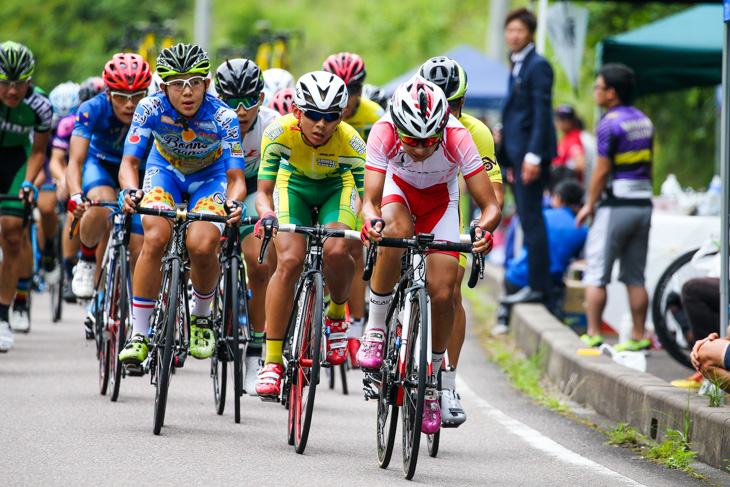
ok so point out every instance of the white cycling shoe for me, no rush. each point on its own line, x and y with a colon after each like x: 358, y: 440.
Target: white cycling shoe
x: 452, y: 414
x: 7, y: 340
x: 253, y: 366
x: 83, y: 281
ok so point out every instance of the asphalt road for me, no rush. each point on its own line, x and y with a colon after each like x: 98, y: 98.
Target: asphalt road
x: 55, y: 429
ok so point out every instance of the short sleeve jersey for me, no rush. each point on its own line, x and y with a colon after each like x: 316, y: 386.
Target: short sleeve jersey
x: 455, y: 153
x: 65, y: 128
x: 485, y: 145
x: 189, y: 145
x: 283, y: 149
x: 252, y: 140
x: 626, y: 137
x: 368, y: 112
x: 34, y: 113
x: 95, y: 120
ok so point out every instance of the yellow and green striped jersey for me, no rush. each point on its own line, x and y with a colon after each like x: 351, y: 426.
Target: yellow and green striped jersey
x: 368, y: 112
x: 283, y: 149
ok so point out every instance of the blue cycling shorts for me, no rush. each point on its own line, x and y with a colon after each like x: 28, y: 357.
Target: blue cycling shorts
x: 98, y: 172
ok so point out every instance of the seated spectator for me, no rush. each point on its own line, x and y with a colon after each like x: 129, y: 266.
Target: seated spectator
x: 570, y: 148
x: 711, y: 357
x: 565, y: 242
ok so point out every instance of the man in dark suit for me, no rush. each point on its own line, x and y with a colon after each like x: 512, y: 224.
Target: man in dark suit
x: 528, y: 146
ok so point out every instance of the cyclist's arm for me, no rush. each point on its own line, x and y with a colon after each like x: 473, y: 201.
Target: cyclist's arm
x: 57, y: 164
x: 236, y: 184
x: 129, y: 172
x: 373, y: 194
x: 37, y: 155
x: 481, y: 190
x: 78, y: 148
x: 265, y: 196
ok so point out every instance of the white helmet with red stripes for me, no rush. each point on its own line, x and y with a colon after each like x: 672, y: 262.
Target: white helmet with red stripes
x: 419, y: 108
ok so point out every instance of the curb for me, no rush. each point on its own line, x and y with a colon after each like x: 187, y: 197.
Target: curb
x: 617, y: 392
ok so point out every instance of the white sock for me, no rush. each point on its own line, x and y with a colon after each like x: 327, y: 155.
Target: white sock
x: 142, y: 309
x: 378, y: 309
x: 202, y: 303
x: 437, y: 359
x: 356, y: 328
x: 448, y: 380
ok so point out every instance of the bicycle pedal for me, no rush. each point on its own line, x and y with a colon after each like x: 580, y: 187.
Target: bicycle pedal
x: 179, y: 360
x: 134, y: 370
x: 269, y: 398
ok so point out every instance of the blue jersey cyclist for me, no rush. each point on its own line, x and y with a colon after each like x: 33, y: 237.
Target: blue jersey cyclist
x: 197, y: 152
x: 95, y: 152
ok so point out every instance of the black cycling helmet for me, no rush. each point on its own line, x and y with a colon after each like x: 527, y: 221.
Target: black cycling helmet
x: 16, y: 61
x: 447, y: 75
x: 183, y: 59
x: 373, y: 93
x: 91, y: 87
x: 238, y: 78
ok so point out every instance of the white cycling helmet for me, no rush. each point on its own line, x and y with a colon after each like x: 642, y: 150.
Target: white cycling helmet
x: 64, y: 98
x: 321, y: 91
x: 276, y: 79
x: 419, y: 108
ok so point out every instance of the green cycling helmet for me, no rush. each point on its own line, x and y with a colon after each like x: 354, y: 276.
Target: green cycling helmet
x: 447, y: 75
x: 183, y: 59
x: 16, y: 61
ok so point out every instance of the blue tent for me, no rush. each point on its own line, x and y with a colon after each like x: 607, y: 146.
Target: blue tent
x: 487, y: 78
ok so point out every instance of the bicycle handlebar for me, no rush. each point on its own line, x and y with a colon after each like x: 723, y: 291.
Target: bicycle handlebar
x: 311, y: 231
x: 75, y: 222
x: 186, y: 215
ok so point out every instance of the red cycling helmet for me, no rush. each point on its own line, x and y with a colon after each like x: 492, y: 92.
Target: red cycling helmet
x: 283, y: 101
x: 127, y: 71
x: 350, y: 67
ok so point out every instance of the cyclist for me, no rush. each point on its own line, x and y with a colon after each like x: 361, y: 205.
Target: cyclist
x: 197, y: 152
x: 309, y: 159
x: 283, y: 101
x: 360, y: 114
x: 373, y: 93
x: 240, y: 85
x: 448, y: 75
x: 413, y: 159
x: 94, y: 157
x: 92, y: 86
x: 276, y: 79
x: 24, y: 110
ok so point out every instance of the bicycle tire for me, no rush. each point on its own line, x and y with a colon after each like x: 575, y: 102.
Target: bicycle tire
x: 343, y: 375
x: 56, y: 290
x: 166, y: 324
x: 218, y: 361
x: 387, y: 413
x: 415, y: 374
x: 665, y: 324
x: 119, y: 317
x: 233, y: 287
x: 307, y: 349
x: 101, y: 332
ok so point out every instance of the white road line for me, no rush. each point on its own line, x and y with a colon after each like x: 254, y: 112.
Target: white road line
x: 539, y: 441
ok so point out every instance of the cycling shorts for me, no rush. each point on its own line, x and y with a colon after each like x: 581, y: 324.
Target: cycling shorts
x: 98, y: 172
x: 434, y: 209
x: 12, y: 175
x: 296, y: 195
x: 208, y: 188
x: 246, y: 230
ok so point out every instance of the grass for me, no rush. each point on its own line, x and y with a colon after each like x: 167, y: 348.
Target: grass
x: 715, y: 394
x: 626, y: 436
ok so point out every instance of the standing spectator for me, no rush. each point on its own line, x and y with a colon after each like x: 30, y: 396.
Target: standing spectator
x: 621, y: 185
x: 571, y: 153
x: 528, y: 145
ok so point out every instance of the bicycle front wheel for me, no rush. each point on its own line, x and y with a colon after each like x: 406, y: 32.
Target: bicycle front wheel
x: 118, y: 306
x: 219, y: 359
x: 101, y: 330
x: 164, y: 339
x: 233, y: 335
x: 414, y: 380
x: 670, y: 320
x: 307, y: 354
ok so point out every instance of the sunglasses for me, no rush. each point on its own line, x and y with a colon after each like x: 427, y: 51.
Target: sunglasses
x: 316, y: 116
x: 120, y: 96
x: 248, y: 102
x: 180, y: 84
x: 13, y: 84
x: 414, y: 141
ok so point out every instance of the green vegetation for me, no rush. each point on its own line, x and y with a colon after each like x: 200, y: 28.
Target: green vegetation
x: 625, y: 435
x: 716, y: 392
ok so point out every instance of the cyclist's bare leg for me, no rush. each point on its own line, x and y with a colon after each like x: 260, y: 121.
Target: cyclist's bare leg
x: 47, y: 203
x: 596, y: 301
x: 398, y: 224
x: 356, y: 301
x: 459, y: 331
x: 135, y: 247
x: 290, y: 250
x: 13, y: 237
x: 441, y: 277
x: 148, y: 276
x: 258, y: 280
x: 70, y: 245
x: 338, y: 265
x: 202, y: 243
x: 639, y: 304
x: 95, y: 222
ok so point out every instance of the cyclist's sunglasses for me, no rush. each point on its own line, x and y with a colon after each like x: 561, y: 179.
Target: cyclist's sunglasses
x: 12, y: 84
x: 414, y: 141
x: 125, y: 97
x: 180, y: 84
x: 316, y: 116
x: 248, y: 102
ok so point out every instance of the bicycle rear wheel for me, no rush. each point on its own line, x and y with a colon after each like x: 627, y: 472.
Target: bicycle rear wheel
x: 233, y: 293
x: 102, y: 332
x: 387, y: 416
x: 307, y: 353
x: 118, y: 306
x: 165, y: 339
x: 56, y: 290
x: 670, y: 321
x: 414, y: 380
x: 219, y: 359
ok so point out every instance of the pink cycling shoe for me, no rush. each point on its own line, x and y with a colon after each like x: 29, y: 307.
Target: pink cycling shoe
x: 370, y: 355
x: 431, y: 413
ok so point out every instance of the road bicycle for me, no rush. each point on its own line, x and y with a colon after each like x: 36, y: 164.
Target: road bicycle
x: 305, y: 342
x: 406, y: 373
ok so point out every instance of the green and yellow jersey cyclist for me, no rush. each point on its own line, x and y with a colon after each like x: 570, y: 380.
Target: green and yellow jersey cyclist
x: 240, y: 85
x: 309, y: 158
x: 448, y: 75
x: 25, y: 126
x: 197, y: 152
x: 360, y: 114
